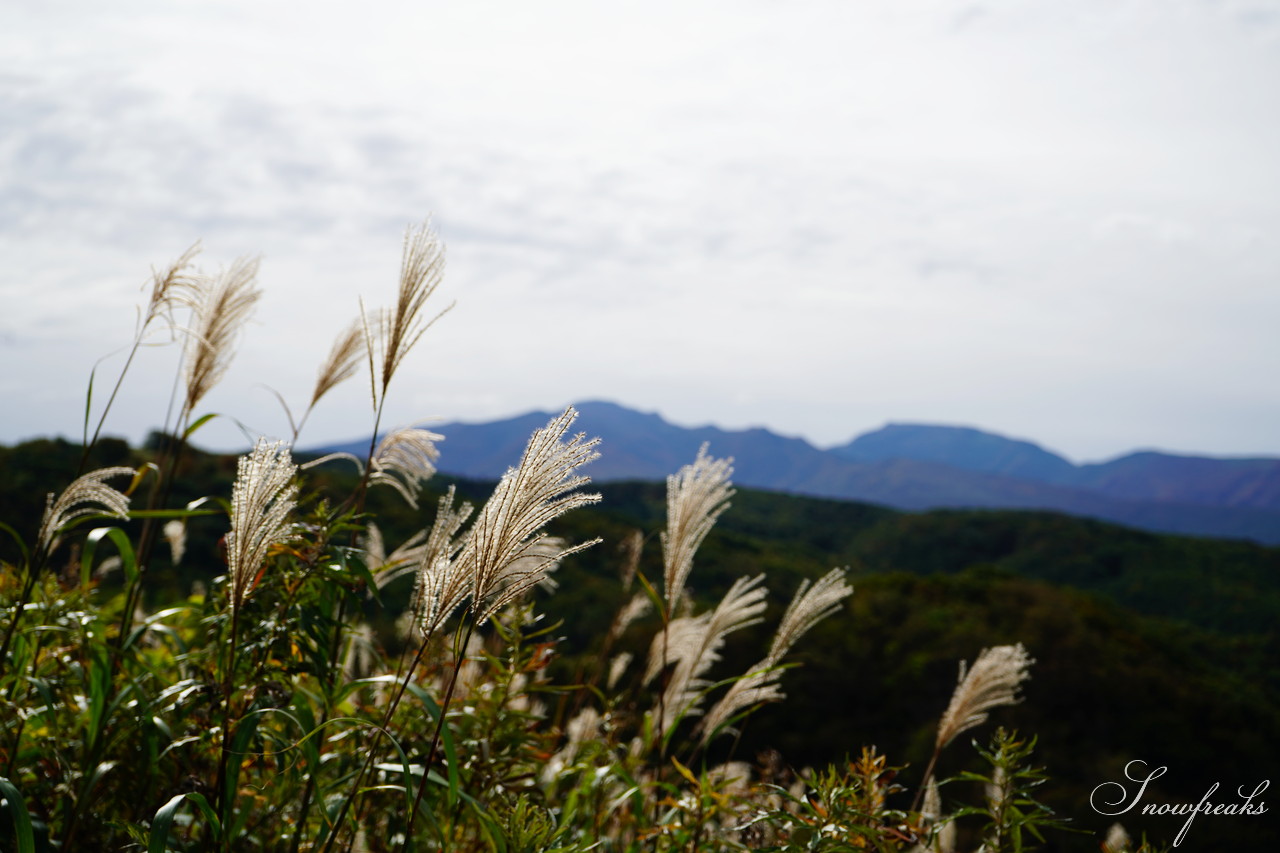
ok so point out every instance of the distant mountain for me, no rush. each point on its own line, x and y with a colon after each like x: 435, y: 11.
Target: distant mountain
x: 908, y: 466
x: 959, y: 447
x: 1143, y: 476
x: 1151, y: 476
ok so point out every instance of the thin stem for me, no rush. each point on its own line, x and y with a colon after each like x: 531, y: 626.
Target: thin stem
x: 227, y: 677
x: 435, y: 738
x: 928, y: 774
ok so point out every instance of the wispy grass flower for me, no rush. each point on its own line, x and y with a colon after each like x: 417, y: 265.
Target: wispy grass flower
x: 342, y: 362
x: 810, y: 606
x: 175, y: 533
x: 441, y: 584
x: 339, y: 365
x: 262, y: 499
x: 221, y: 306
x: 87, y: 495
x: 391, y: 334
x: 991, y: 682
x: 167, y: 285
x: 404, y: 459
x: 504, y: 554
x: 694, y: 645
x: 696, y: 496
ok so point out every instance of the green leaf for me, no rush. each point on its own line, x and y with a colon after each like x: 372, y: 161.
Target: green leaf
x: 21, y: 818
x: 199, y: 422
x: 158, y: 840
x: 124, y: 547
x: 22, y: 546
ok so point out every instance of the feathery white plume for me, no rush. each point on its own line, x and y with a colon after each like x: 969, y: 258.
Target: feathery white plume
x: 810, y: 606
x: 262, y: 498
x: 221, y: 307
x: 441, y: 584
x: 1117, y: 840
x: 696, y: 496
x: 341, y: 363
x: 404, y: 459
x: 87, y: 495
x: 504, y: 553
x: 694, y: 647
x: 175, y: 533
x: 993, y: 681
x: 390, y: 334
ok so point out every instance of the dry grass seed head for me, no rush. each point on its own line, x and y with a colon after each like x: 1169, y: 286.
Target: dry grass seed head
x: 991, y: 682
x: 262, y: 498
x: 391, y: 334
x: 87, y: 495
x: 341, y: 363
x: 810, y: 606
x: 696, y: 496
x: 504, y: 554
x: 698, y: 644
x: 166, y: 285
x: 220, y: 306
x: 758, y: 686
x: 175, y: 533
x: 404, y: 459
x: 441, y: 584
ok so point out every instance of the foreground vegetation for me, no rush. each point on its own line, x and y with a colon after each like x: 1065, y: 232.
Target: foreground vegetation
x: 241, y: 661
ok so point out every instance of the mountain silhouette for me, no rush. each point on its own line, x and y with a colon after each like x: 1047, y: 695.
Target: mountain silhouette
x: 906, y: 466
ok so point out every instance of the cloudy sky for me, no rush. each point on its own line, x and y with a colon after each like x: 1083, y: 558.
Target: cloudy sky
x: 1056, y: 221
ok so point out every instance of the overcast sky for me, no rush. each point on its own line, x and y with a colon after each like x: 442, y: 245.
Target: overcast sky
x: 1055, y: 221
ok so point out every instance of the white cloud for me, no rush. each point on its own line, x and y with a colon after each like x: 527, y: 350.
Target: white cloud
x: 1048, y: 220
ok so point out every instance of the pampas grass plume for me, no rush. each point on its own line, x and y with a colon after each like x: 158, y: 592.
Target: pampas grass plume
x: 87, y: 495
x: 262, y: 498
x: 696, y: 496
x: 992, y: 682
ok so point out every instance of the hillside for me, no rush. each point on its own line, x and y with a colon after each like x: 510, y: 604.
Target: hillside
x: 911, y: 467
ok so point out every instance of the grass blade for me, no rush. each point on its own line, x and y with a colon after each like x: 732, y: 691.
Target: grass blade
x: 21, y: 818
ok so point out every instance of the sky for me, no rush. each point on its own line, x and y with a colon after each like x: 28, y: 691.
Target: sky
x: 1053, y: 221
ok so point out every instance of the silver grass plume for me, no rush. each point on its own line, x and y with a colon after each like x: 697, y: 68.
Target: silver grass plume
x: 931, y: 810
x: 582, y: 728
x: 220, y: 307
x: 166, y: 287
x: 634, y: 609
x: 941, y: 836
x: 617, y: 667
x: 262, y: 498
x: 400, y: 562
x: 404, y: 459
x: 992, y: 682
x: 375, y: 549
x: 390, y: 334
x: 694, y: 646
x: 696, y: 496
x: 175, y: 533
x: 1117, y: 840
x: 87, y: 495
x: 441, y: 584
x: 543, y: 556
x: 508, y: 529
x: 341, y: 363
x: 810, y: 606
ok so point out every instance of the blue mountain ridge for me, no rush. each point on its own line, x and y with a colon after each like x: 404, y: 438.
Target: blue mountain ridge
x: 908, y: 467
